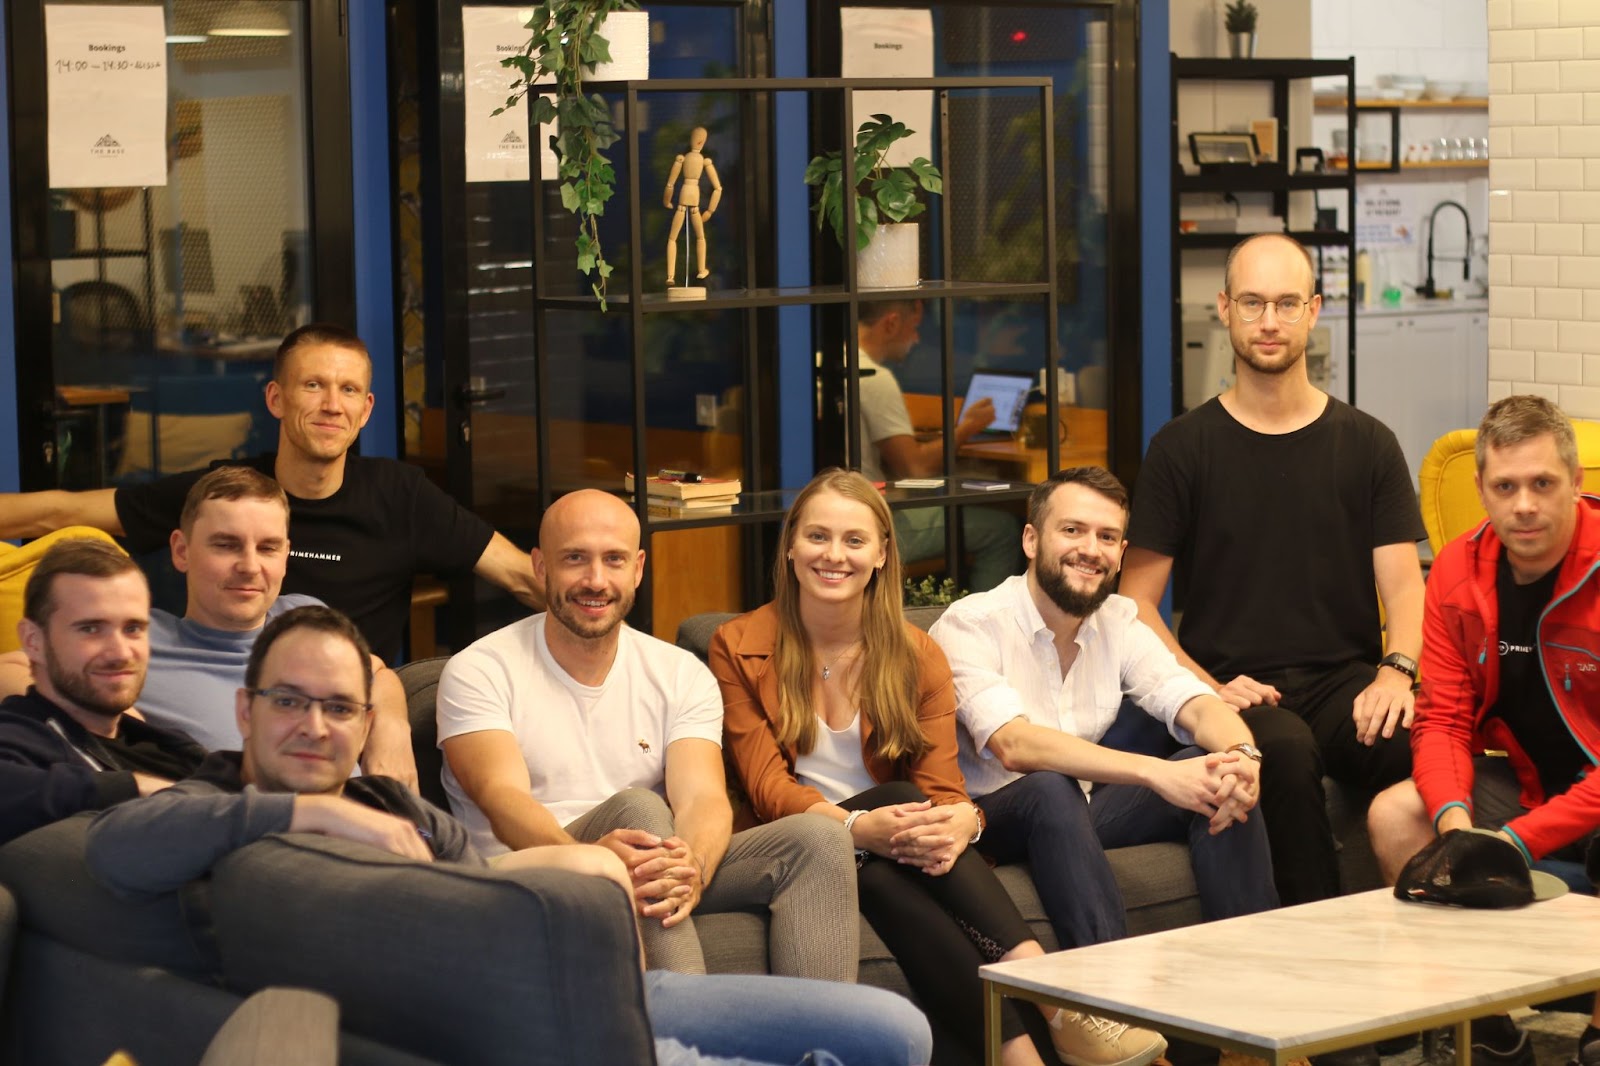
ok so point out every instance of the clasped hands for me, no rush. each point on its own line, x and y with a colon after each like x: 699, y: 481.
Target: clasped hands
x: 918, y: 834
x: 668, y: 878
x: 1223, y: 785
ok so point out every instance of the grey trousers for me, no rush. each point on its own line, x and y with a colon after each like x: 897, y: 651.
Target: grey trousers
x: 801, y: 869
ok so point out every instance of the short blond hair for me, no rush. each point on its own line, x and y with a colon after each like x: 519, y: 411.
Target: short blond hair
x: 1514, y: 419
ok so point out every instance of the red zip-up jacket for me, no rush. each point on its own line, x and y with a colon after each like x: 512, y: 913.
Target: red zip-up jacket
x: 1461, y: 681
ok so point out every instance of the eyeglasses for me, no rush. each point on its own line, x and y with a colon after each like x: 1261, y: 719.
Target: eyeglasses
x: 291, y: 704
x: 1291, y: 309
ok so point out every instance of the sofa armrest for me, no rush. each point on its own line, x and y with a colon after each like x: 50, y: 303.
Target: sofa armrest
x: 450, y: 962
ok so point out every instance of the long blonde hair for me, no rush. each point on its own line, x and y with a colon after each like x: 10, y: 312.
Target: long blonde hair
x: 887, y: 683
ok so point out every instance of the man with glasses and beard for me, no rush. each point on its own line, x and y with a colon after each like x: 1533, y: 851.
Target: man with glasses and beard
x: 1287, y: 518
x: 68, y: 743
x: 1042, y: 664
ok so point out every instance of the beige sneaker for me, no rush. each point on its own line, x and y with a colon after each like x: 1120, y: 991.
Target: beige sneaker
x: 1088, y: 1040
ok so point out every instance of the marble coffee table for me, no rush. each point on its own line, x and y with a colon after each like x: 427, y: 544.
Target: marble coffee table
x: 1319, y: 977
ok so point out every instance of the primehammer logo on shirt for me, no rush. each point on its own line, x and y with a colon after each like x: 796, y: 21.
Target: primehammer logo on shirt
x: 329, y: 557
x: 1506, y: 648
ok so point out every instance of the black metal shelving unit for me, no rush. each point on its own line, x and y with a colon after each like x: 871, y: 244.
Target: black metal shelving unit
x: 1275, y: 178
x: 762, y: 503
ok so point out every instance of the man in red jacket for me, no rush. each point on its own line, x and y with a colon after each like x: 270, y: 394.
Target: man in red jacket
x: 1510, y: 662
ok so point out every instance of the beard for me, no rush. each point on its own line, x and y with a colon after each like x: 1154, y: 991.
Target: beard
x: 1282, y: 365
x: 570, y: 616
x: 81, y: 689
x: 1052, y: 578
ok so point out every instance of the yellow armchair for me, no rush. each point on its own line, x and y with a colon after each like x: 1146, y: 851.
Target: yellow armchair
x: 16, y: 565
x: 1450, y: 504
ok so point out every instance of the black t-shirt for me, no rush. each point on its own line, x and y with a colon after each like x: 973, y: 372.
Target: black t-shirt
x: 1272, y: 535
x: 1525, y: 703
x: 357, y: 550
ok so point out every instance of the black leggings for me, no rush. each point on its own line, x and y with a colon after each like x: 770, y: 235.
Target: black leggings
x: 941, y: 929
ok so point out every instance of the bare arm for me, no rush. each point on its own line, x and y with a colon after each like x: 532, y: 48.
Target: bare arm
x: 388, y: 749
x: 697, y: 793
x: 33, y: 514
x: 490, y: 768
x: 905, y: 456
x: 1023, y: 747
x: 1388, y: 702
x: 504, y: 564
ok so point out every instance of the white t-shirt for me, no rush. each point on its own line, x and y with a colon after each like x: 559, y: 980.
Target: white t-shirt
x: 582, y: 744
x: 835, y: 767
x: 883, y: 414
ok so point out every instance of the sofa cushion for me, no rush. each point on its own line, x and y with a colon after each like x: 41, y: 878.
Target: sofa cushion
x: 478, y: 965
x: 57, y: 896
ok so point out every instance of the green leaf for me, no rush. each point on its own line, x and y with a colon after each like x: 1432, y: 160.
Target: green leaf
x: 605, y: 268
x: 544, y: 109
x: 596, y: 50
x: 569, y: 197
x: 927, y: 175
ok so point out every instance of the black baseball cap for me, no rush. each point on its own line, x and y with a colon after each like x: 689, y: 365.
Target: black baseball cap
x: 1474, y: 868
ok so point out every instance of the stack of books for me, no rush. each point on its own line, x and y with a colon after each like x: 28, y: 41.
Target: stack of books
x: 672, y: 497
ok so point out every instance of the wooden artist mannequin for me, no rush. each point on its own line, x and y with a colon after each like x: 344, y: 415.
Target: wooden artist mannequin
x: 691, y: 165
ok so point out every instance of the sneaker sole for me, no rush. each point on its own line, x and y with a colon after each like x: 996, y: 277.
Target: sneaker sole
x: 1144, y: 1058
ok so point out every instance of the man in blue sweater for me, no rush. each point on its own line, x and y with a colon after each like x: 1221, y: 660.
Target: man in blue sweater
x: 68, y: 743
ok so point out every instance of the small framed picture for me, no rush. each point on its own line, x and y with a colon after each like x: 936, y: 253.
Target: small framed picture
x: 1223, y: 149
x: 1266, y: 134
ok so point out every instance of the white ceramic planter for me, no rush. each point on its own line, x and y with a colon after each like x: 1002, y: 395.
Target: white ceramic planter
x: 889, y: 261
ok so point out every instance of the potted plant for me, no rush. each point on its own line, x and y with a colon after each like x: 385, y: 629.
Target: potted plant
x: 885, y: 196
x: 1240, y: 21
x: 566, y: 42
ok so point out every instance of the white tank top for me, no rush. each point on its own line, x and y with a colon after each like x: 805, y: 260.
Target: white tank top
x: 834, y: 766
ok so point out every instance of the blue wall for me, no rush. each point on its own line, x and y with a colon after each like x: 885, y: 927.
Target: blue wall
x: 1155, y: 222
x: 9, y: 475
x: 793, y: 199
x: 374, y: 251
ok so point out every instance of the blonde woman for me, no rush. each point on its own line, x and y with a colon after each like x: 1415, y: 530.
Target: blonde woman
x: 836, y: 706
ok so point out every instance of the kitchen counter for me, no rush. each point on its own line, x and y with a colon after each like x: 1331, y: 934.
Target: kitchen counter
x: 1413, y: 305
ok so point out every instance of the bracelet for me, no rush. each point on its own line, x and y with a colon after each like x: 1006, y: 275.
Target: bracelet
x: 850, y: 820
x: 982, y: 822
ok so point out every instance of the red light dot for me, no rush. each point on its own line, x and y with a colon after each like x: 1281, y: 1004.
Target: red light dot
x: 1019, y: 36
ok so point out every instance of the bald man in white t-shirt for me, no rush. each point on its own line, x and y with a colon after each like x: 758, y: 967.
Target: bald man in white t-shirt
x: 572, y: 727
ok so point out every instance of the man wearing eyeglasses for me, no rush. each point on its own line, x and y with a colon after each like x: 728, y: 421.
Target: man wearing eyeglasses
x: 1288, y: 516
x: 68, y: 744
x: 304, y: 713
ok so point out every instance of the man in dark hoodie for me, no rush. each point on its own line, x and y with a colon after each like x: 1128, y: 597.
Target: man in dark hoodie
x: 68, y: 743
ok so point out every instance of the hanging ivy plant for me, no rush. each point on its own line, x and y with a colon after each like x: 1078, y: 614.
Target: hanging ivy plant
x: 565, y: 43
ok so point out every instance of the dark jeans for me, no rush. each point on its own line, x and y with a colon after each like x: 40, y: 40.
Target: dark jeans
x: 941, y: 929
x: 1317, y: 739
x: 1045, y: 820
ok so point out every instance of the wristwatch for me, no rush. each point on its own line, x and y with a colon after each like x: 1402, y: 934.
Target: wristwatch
x: 1403, y: 663
x: 1248, y: 750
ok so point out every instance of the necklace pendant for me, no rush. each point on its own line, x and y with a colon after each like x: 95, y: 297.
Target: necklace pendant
x: 827, y: 672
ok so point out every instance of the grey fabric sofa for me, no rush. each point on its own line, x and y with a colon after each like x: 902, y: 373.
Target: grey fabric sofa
x: 1157, y: 884
x: 429, y: 964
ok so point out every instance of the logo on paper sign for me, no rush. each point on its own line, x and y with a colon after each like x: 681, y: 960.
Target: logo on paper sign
x: 107, y: 146
x: 512, y: 138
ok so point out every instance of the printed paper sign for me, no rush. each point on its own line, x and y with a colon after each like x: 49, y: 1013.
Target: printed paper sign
x: 106, y: 83
x: 882, y: 42
x: 489, y: 35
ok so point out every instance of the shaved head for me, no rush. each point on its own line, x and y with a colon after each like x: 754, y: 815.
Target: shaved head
x: 589, y: 561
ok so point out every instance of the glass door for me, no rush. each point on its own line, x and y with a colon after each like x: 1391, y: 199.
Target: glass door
x: 147, y: 316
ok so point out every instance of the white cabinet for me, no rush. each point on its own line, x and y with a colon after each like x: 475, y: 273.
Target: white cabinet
x: 1422, y: 375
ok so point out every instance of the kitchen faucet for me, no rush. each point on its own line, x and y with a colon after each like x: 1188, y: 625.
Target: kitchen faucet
x: 1427, y: 289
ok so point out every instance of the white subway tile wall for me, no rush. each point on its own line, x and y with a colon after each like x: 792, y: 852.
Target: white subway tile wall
x: 1544, y: 180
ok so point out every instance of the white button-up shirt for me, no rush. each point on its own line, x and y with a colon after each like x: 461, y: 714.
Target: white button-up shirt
x: 1005, y: 665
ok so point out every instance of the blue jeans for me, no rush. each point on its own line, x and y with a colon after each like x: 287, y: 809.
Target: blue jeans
x: 1044, y: 819
x: 993, y: 538
x: 742, y: 1020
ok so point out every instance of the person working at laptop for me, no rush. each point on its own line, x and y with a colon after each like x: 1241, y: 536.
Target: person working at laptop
x: 886, y: 332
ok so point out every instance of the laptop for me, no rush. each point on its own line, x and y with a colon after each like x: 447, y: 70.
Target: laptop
x: 1009, y: 390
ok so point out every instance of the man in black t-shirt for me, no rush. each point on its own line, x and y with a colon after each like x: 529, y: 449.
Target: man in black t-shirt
x: 1287, y: 515
x: 1511, y: 663
x: 68, y: 744
x: 360, y: 529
